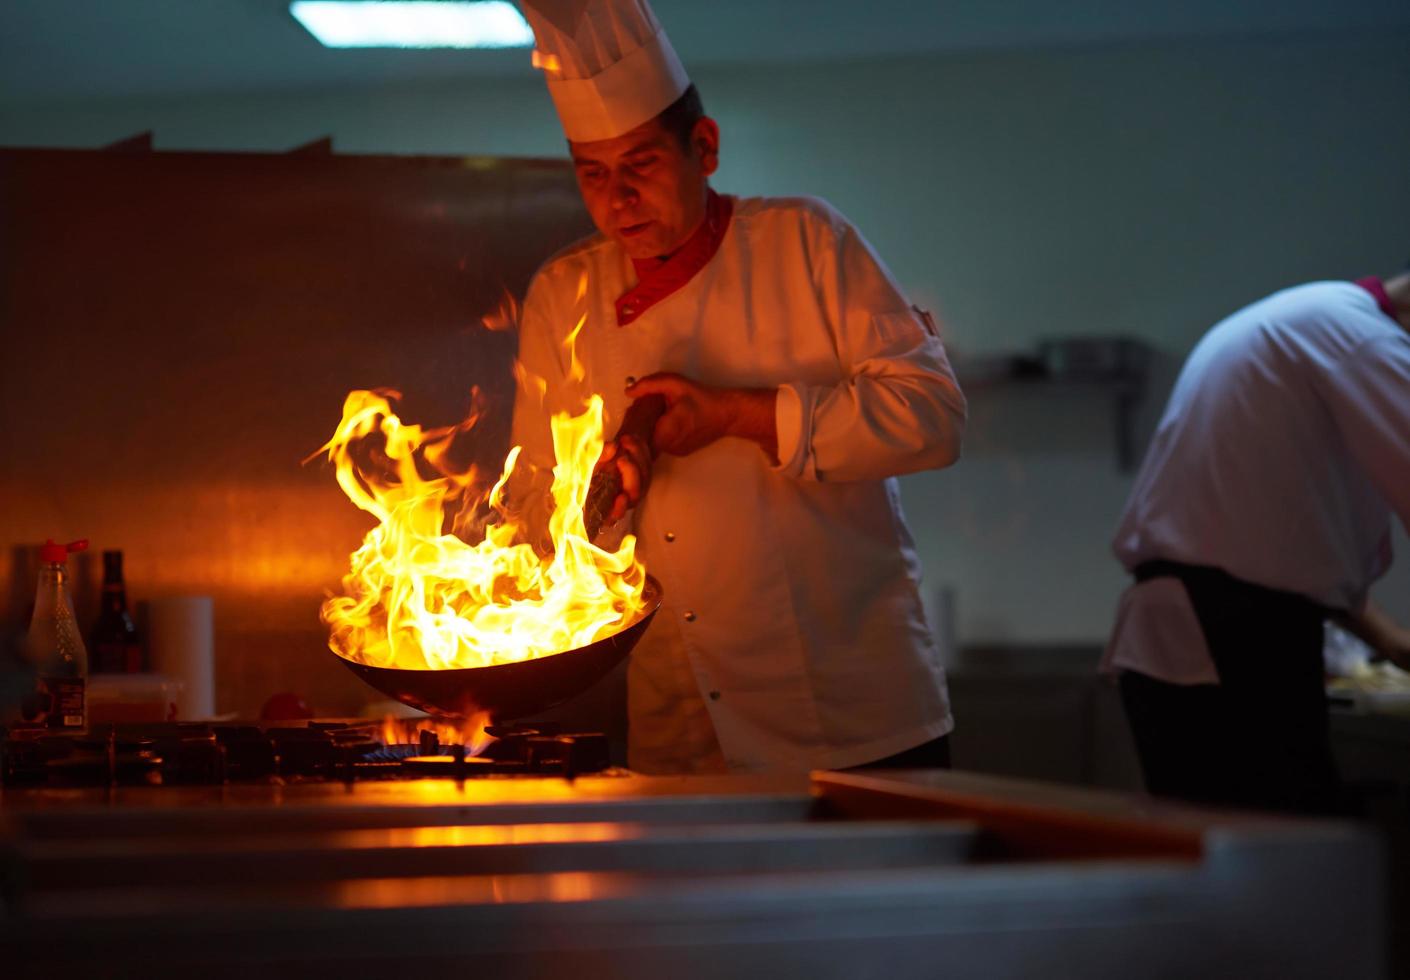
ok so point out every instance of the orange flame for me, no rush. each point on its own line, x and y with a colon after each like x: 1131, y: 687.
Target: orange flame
x: 503, y: 317
x: 419, y: 598
x: 469, y: 733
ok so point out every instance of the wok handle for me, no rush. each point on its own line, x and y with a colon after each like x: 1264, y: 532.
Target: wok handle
x: 639, y: 421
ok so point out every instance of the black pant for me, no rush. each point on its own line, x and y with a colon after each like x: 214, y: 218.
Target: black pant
x: 934, y: 754
x: 1259, y: 738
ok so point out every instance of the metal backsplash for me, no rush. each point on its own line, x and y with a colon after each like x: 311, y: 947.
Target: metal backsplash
x: 180, y: 330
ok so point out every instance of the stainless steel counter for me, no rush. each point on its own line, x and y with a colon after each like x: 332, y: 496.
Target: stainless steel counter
x: 903, y: 875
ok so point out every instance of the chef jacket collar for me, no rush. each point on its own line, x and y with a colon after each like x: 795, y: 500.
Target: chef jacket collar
x: 658, y: 278
x: 1374, y: 286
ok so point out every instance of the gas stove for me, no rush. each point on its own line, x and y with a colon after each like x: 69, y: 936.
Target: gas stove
x: 185, y: 754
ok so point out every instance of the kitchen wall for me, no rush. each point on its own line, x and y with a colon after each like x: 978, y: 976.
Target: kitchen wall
x: 1141, y: 190
x: 182, y: 330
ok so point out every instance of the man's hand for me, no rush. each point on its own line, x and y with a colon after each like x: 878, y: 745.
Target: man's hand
x: 1396, y: 648
x: 1384, y: 635
x: 633, y: 461
x: 698, y: 414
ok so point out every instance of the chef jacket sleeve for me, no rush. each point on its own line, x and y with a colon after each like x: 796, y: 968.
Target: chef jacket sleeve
x: 897, y: 408
x: 1369, y: 399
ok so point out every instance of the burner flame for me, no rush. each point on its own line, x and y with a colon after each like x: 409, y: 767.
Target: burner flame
x: 469, y: 733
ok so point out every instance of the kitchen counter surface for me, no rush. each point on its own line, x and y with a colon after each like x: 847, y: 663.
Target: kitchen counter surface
x: 833, y: 875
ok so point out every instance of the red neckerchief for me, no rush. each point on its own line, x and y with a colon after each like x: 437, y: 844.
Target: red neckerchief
x: 659, y: 278
x: 1374, y: 286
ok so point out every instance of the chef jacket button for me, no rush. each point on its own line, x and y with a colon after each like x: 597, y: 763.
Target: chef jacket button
x: 689, y: 616
x: 631, y: 378
x: 670, y: 536
x: 714, y: 695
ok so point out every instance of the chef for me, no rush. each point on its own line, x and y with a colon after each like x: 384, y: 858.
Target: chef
x: 799, y: 383
x: 1262, y: 508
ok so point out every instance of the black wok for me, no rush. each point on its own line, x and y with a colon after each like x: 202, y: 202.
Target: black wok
x: 509, y: 691
x: 513, y: 690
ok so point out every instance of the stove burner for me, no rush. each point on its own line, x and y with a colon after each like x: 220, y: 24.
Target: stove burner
x: 175, y: 753
x: 85, y: 760
x: 457, y: 765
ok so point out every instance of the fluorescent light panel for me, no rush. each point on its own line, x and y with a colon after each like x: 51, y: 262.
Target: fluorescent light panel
x: 419, y: 24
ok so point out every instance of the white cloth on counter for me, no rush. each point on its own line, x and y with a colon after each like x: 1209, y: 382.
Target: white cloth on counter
x: 792, y: 616
x: 1283, y: 450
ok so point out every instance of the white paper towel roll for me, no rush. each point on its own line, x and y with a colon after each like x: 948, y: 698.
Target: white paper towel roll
x: 181, y: 641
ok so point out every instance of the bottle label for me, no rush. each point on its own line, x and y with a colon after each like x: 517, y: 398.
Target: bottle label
x: 62, y: 706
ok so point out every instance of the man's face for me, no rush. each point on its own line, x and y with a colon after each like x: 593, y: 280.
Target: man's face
x: 643, y: 189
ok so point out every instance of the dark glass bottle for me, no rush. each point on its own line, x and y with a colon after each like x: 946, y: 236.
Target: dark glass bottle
x: 115, y: 647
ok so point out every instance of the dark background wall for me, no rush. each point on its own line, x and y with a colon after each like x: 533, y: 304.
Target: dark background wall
x: 1134, y: 188
x: 180, y: 332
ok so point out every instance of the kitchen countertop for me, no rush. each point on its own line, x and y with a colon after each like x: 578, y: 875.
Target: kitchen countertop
x: 836, y: 875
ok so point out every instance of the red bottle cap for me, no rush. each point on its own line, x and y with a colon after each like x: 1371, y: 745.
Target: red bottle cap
x: 51, y: 552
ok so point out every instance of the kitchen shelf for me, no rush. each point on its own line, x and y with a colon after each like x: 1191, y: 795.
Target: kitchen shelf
x: 1115, y: 366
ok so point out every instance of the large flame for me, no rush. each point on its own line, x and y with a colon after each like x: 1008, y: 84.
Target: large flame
x: 421, y: 597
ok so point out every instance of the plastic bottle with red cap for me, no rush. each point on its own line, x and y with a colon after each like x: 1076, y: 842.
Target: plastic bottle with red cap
x: 55, y: 647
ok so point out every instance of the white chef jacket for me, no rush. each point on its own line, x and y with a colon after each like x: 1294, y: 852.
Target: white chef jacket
x: 1281, y: 454
x: 791, y: 634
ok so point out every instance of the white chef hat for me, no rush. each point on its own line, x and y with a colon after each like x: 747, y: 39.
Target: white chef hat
x: 608, y: 64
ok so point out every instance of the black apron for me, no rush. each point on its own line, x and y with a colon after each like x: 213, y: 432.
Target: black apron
x: 1260, y: 737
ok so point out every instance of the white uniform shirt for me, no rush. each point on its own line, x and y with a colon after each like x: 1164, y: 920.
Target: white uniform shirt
x: 1282, y: 452
x: 791, y: 629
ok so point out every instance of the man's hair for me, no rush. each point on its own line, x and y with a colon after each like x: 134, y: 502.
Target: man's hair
x: 679, y: 118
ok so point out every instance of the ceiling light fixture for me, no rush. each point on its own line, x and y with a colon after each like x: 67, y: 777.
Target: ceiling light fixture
x: 418, y: 24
